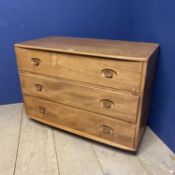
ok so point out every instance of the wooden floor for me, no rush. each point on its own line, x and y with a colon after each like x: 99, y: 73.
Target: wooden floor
x: 30, y: 148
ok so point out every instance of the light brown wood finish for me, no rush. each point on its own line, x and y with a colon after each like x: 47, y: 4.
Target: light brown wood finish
x: 114, y: 104
x: 126, y: 75
x: 124, y: 50
x: 83, y: 121
x: 105, y: 84
x: 148, y: 75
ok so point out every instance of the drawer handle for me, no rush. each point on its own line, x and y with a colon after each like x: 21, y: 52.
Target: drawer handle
x: 106, y: 129
x: 107, y: 103
x: 35, y: 61
x: 42, y: 110
x: 38, y: 87
x: 108, y: 73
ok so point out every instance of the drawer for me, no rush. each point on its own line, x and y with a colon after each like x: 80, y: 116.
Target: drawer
x: 86, y: 122
x: 125, y: 75
x: 106, y: 102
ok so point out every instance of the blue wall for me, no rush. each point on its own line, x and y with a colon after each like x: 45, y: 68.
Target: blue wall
x: 115, y: 19
x: 154, y: 20
x: 23, y: 20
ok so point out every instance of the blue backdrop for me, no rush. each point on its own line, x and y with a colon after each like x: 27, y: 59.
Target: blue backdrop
x: 139, y: 20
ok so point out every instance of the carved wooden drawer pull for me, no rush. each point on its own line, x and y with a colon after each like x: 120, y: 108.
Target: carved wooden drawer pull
x: 106, y: 130
x: 38, y: 87
x: 108, y: 73
x: 35, y: 61
x: 42, y: 110
x: 106, y: 103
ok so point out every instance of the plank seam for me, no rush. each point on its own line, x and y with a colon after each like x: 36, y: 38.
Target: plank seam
x: 55, y: 150
x: 97, y: 158
x: 19, y: 136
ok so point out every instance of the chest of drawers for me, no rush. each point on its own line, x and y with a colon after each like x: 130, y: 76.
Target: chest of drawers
x: 98, y: 89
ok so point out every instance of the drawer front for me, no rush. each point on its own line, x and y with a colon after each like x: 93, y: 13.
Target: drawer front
x: 86, y: 122
x: 111, y: 103
x: 125, y: 75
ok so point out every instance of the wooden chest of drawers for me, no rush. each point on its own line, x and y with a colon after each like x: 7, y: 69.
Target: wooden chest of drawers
x: 98, y: 89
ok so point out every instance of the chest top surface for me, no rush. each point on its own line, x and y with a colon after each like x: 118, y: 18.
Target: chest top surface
x: 124, y: 50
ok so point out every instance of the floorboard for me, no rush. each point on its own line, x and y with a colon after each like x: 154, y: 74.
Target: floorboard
x: 117, y: 162
x: 36, y: 154
x: 31, y: 148
x: 10, y: 121
x: 155, y: 156
x: 75, y: 155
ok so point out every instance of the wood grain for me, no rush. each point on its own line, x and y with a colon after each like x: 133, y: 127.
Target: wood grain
x: 36, y: 154
x: 122, y: 106
x: 110, y: 80
x: 148, y: 75
x: 10, y: 123
x: 116, y: 162
x: 155, y: 156
x: 125, y: 50
x: 75, y: 155
x: 82, y: 68
x: 93, y: 124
